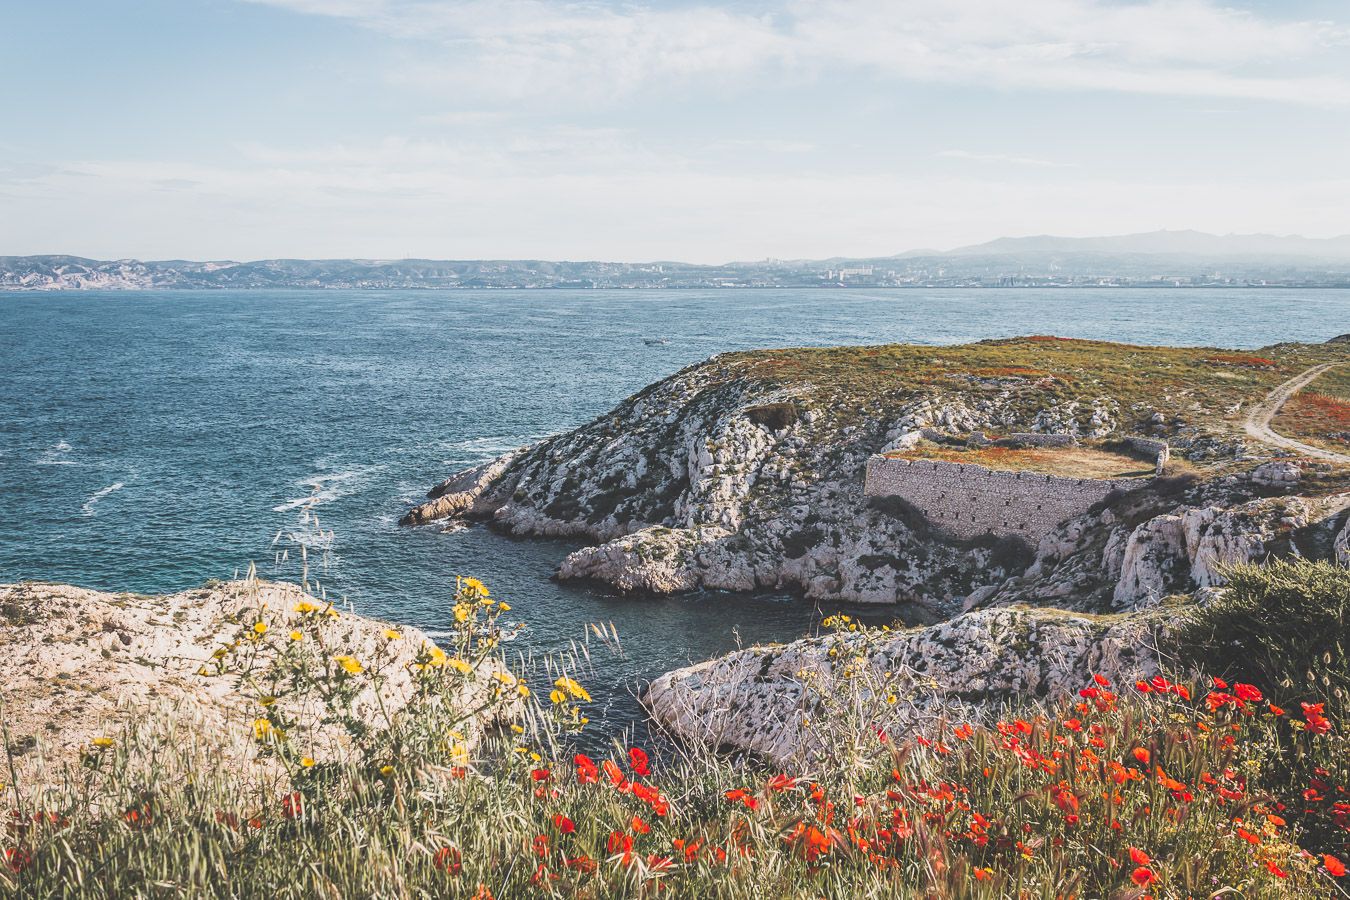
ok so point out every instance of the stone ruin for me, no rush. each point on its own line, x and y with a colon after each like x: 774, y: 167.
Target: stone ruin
x: 968, y: 500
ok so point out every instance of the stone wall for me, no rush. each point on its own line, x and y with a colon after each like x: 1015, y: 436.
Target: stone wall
x: 1037, y: 439
x: 968, y: 500
x: 1151, y: 447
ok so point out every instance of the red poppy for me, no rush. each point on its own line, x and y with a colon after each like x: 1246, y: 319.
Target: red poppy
x: 1142, y: 755
x: 1143, y: 876
x: 1275, y: 869
x: 740, y: 795
x: 638, y: 762
x: 1247, y: 692
x: 639, y: 826
x: 293, y: 805
x: 782, y: 783
x: 587, y: 773
x: 16, y: 859
x: 1317, y: 722
x: 614, y: 774
x: 564, y: 824
x: 540, y: 774
x: 1139, y: 857
x: 447, y: 860
x: 1333, y: 865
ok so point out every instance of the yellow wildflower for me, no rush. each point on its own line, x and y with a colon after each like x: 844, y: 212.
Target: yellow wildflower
x: 475, y: 586
x: 306, y: 762
x: 504, y: 607
x: 261, y: 728
x: 572, y: 688
x: 260, y: 628
x: 523, y: 689
x: 557, y: 696
x: 392, y: 635
x: 386, y: 771
x: 304, y: 607
x: 462, y: 611
x: 297, y: 636
x: 504, y: 677
x: 349, y: 664
x: 102, y: 742
x: 518, y: 729
x: 459, y: 665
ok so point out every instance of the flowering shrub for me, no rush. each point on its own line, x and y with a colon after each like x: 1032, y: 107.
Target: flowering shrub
x: 1151, y: 789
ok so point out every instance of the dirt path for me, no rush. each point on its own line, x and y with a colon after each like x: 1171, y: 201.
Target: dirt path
x: 1258, y: 420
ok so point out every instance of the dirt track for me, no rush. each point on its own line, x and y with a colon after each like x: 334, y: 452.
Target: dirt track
x: 1258, y: 420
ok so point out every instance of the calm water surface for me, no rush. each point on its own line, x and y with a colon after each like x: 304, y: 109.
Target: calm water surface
x: 150, y: 441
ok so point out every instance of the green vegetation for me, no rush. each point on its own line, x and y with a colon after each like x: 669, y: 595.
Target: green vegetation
x: 1192, y: 387
x: 1158, y: 788
x: 1284, y: 626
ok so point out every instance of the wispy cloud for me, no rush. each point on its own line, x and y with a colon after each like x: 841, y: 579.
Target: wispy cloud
x: 520, y: 48
x: 1003, y: 159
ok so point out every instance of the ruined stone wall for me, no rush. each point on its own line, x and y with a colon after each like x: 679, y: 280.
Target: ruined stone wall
x: 1155, y: 448
x: 967, y: 500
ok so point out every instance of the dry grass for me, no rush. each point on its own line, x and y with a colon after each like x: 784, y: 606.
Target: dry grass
x: 1320, y: 413
x: 1067, y: 462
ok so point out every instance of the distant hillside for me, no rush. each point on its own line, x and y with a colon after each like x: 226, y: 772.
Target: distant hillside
x: 1160, y: 258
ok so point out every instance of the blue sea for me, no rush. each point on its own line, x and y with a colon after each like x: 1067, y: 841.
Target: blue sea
x: 150, y: 441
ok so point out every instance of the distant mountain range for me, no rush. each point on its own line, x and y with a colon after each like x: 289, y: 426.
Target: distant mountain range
x: 1163, y: 258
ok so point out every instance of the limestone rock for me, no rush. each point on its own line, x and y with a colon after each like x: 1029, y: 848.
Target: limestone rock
x: 756, y: 699
x: 78, y: 662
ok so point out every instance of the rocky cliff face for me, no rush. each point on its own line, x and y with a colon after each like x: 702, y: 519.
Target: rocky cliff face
x: 746, y: 472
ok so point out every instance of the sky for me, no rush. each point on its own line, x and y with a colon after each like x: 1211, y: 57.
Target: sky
x: 661, y: 129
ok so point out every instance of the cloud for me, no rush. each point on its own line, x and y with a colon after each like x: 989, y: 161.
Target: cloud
x: 1002, y: 158
x: 400, y: 198
x: 604, y: 51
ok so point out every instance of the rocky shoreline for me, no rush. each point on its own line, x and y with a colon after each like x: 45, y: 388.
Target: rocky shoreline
x: 746, y: 472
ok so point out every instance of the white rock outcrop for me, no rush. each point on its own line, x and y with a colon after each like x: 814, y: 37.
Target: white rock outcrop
x: 758, y: 699
x: 78, y: 663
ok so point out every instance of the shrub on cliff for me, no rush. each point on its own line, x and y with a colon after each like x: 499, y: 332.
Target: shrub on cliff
x: 1285, y: 626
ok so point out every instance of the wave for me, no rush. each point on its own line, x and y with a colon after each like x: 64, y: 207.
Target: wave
x: 324, y: 487
x: 57, y: 456
x: 492, y: 446
x: 88, y: 507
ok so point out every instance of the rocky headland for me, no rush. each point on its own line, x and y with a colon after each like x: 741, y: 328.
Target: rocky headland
x: 750, y: 472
